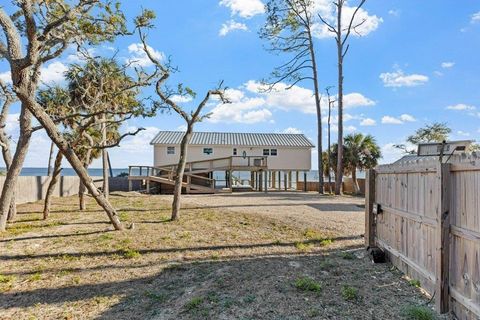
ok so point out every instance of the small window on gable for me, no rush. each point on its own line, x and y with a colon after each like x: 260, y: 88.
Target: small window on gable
x: 208, y: 151
x: 273, y: 152
x: 234, y: 151
x: 266, y: 152
x: 170, y: 150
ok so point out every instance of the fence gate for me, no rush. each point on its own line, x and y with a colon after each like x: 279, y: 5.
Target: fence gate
x: 426, y: 216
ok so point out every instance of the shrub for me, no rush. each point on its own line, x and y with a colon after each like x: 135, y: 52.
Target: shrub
x: 308, y: 284
x: 194, y: 303
x: 349, y: 293
x: 131, y: 254
x: 418, y: 313
x: 414, y: 283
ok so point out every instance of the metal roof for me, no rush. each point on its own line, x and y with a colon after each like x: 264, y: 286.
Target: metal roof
x: 235, y: 139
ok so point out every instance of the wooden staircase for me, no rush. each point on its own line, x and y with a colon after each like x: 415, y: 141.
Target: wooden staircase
x: 197, y: 174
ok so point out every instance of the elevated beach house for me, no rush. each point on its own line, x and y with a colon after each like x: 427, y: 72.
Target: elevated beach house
x: 270, y: 158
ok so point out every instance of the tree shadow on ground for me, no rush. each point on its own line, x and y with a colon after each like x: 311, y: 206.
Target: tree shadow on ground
x: 255, y: 287
x: 167, y: 250
x: 340, y: 207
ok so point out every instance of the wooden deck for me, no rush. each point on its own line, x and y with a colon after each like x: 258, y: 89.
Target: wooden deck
x: 197, y: 176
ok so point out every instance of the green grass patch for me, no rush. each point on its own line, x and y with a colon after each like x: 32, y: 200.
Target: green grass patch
x: 418, y: 313
x: 347, y: 255
x: 130, y: 253
x: 6, y: 279
x: 328, y: 264
x: 349, y: 293
x: 302, y: 246
x: 159, y: 297
x: 194, y: 303
x: 326, y: 242
x: 106, y: 236
x: 414, y: 283
x: 308, y: 284
x: 35, y: 277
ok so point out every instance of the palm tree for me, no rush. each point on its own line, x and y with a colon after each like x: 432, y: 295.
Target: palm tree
x: 361, y: 152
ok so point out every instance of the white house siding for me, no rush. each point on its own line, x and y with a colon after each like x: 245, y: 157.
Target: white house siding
x: 287, y: 158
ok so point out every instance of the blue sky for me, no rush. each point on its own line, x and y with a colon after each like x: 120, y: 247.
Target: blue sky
x: 417, y: 62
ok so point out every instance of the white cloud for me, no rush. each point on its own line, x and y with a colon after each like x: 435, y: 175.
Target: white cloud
x: 292, y: 130
x: 295, y: 98
x: 407, y: 118
x: 231, y: 26
x: 253, y: 96
x: 49, y: 74
x: 394, y: 12
x: 356, y: 99
x: 53, y: 73
x: 183, y: 127
x: 350, y: 129
x: 368, y: 122
x: 181, y: 99
x: 398, y: 79
x: 438, y: 73
x: 463, y: 133
x: 140, y: 58
x: 133, y: 150
x: 461, y: 107
x: 391, y: 120
x: 475, y: 17
x: 400, y: 120
x: 244, y: 8
x: 6, y: 76
x: 326, y: 9
x: 447, y: 64
x: 242, y: 109
x: 391, y: 154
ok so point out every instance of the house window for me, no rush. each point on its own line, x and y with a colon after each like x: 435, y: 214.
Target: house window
x: 170, y: 150
x: 266, y: 152
x: 208, y: 151
x: 234, y: 151
x: 273, y: 152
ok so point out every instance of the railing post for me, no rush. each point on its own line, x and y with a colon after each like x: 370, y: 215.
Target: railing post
x: 369, y: 201
x: 442, y: 238
x: 305, y: 181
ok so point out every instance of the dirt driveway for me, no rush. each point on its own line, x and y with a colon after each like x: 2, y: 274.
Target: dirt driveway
x: 337, y: 217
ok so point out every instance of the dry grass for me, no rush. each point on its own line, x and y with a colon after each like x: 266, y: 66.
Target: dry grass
x: 215, y: 263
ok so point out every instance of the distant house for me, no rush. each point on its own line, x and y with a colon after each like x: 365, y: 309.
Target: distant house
x: 284, y: 151
x: 271, y: 158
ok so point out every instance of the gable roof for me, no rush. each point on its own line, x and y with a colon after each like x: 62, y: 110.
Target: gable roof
x: 235, y: 139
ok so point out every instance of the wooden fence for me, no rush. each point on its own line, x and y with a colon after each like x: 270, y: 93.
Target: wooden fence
x: 34, y: 188
x: 426, y: 216
x: 347, y: 186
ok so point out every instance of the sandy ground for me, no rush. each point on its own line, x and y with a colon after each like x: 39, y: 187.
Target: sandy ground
x: 338, y: 217
x: 230, y: 256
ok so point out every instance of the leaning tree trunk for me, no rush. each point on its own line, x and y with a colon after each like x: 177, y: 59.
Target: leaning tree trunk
x: 339, y: 173
x: 8, y: 191
x: 57, y: 169
x: 177, y: 192
x: 70, y: 155
x: 7, y: 158
x: 105, y: 186
x: 50, y: 157
x: 81, y: 187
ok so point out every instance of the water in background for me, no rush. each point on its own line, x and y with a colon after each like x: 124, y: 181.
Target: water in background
x: 217, y: 175
x: 66, y: 171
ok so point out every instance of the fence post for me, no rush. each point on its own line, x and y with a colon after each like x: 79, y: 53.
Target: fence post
x: 369, y: 216
x: 442, y: 238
